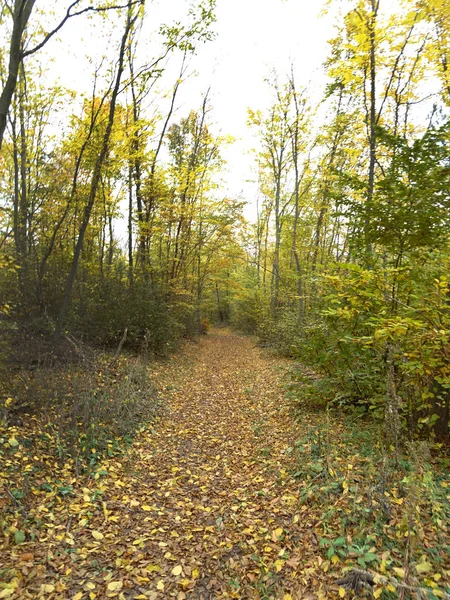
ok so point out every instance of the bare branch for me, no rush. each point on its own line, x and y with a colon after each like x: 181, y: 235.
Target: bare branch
x: 69, y: 14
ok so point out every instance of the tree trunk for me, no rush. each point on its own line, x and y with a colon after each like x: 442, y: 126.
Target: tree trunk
x: 130, y: 226
x: 275, y: 287
x: 21, y: 14
x: 372, y: 134
x: 62, y: 317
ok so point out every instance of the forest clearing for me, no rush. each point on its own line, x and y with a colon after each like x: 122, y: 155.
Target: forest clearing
x: 224, y: 299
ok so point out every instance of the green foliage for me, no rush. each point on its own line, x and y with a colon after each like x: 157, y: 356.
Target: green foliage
x: 377, y: 512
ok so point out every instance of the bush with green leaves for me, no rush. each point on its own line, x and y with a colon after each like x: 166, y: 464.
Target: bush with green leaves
x: 383, y: 331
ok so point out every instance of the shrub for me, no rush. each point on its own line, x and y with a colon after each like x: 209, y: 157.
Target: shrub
x: 101, y: 416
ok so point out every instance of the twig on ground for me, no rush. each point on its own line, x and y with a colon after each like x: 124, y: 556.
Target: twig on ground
x: 119, y: 349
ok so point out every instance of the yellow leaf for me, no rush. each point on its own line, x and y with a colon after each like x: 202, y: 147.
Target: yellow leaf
x: 278, y: 532
x: 97, y: 535
x: 423, y: 567
x: 48, y: 588
x: 115, y: 586
x: 399, y: 572
x: 377, y: 593
x: 177, y: 570
x: 146, y: 507
x: 7, y: 592
x: 287, y: 597
x: 325, y: 565
x: 13, y: 442
x: 279, y: 564
x: 342, y: 592
x: 151, y: 568
x: 160, y: 585
x: 335, y: 559
x: 90, y: 586
x: 78, y: 596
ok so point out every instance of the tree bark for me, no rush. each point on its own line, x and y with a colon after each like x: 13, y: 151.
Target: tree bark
x: 372, y: 131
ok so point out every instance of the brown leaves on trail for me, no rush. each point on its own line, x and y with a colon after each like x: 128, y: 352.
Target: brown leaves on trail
x: 204, y: 506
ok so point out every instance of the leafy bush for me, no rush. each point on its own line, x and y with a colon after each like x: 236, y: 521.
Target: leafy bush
x: 381, y: 335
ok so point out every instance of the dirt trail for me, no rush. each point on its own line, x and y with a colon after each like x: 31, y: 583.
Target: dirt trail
x: 204, y: 506
x: 214, y: 481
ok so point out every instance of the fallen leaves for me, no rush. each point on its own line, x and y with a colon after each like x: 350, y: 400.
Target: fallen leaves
x: 204, y: 505
x: 115, y: 586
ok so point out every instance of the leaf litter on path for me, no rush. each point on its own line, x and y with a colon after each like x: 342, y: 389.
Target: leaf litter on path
x: 203, y: 506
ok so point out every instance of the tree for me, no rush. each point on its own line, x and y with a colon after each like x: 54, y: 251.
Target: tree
x: 131, y: 19
x: 20, y: 13
x: 275, y: 158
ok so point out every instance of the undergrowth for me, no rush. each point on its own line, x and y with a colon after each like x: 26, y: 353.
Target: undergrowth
x: 380, y: 511
x: 73, y: 419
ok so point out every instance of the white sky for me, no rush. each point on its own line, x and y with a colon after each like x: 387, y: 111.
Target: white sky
x: 253, y: 37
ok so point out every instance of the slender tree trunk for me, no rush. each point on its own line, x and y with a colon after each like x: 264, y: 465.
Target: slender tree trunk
x: 21, y: 208
x: 372, y: 132
x: 137, y: 175
x: 199, y: 273
x: 258, y: 242
x: 130, y: 226
x: 275, y: 287
x: 16, y: 225
x: 151, y: 201
x: 266, y: 246
x: 62, y: 317
x: 219, y: 306
x: 111, y: 241
x: 298, y: 266
x: 326, y: 188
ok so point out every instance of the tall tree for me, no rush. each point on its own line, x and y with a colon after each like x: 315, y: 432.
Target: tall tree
x: 131, y: 18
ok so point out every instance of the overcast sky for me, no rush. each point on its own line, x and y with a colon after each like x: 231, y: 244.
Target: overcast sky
x: 253, y: 37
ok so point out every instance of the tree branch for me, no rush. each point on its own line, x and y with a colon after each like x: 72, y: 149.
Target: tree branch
x: 70, y: 14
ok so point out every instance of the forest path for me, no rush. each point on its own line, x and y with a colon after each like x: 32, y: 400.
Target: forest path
x: 215, y: 512
x: 203, y: 506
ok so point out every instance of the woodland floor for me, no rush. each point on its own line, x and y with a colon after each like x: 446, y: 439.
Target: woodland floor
x: 203, y: 506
